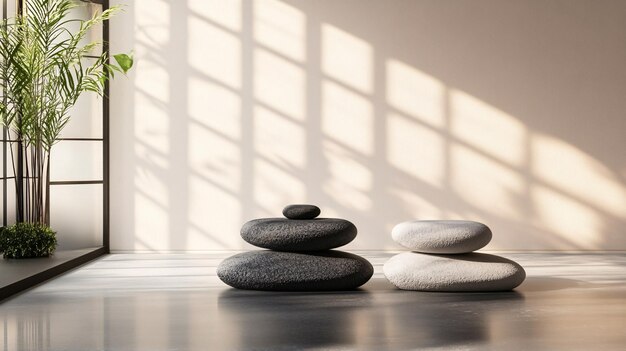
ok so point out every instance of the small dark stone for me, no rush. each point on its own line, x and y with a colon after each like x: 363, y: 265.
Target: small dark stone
x: 288, y: 271
x: 302, y: 235
x: 301, y: 211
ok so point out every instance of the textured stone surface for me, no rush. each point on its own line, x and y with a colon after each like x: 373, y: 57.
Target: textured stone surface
x: 302, y: 235
x: 301, y: 211
x: 287, y: 271
x: 442, y: 237
x: 467, y: 272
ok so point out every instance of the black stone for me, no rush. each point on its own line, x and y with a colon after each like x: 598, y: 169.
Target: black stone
x: 289, y: 271
x: 302, y: 235
x: 301, y: 211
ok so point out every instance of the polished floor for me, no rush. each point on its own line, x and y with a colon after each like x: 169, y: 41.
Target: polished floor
x: 176, y: 302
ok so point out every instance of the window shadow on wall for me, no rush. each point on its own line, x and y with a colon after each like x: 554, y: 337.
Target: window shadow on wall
x: 378, y: 114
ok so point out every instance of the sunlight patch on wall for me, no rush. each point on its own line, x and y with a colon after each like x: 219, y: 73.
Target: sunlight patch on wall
x: 349, y: 182
x: 223, y: 13
x: 274, y: 187
x: 214, y: 107
x: 214, y: 52
x: 576, y: 224
x: 415, y: 150
x: 201, y: 239
x: 347, y: 117
x: 417, y: 206
x: 566, y: 168
x: 151, y: 126
x: 151, y: 223
x: 151, y: 77
x: 279, y: 139
x: 347, y: 58
x: 213, y: 157
x: 214, y: 215
x: 149, y: 157
x: 485, y: 184
x: 280, y: 27
x: 415, y: 93
x: 487, y: 129
x: 152, y: 122
x: 152, y: 18
x: 149, y: 181
x: 279, y: 84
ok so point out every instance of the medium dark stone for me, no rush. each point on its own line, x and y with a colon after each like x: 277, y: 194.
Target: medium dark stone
x: 301, y: 211
x: 289, y: 271
x: 302, y: 235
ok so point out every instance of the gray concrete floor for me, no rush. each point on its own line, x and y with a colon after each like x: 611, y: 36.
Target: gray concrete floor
x: 176, y: 302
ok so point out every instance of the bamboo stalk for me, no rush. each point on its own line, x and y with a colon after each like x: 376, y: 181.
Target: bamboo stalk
x: 15, y: 180
x: 47, y: 212
x: 27, y: 182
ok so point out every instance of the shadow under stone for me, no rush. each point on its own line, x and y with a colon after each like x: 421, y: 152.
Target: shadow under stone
x: 293, y: 320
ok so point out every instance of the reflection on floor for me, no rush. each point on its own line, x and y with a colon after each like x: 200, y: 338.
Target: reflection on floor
x: 176, y: 302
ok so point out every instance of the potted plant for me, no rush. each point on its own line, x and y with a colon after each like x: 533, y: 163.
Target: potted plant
x: 43, y: 72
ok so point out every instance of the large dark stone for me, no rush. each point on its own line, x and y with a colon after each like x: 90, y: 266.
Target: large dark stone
x: 289, y: 271
x: 301, y: 211
x: 302, y: 235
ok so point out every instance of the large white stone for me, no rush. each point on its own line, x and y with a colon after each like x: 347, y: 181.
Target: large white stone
x: 466, y: 272
x: 442, y: 237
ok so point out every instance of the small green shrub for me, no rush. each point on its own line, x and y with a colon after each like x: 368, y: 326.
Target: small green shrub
x: 23, y: 240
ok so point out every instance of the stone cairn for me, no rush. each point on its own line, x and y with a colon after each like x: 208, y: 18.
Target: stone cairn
x: 443, y: 259
x: 299, y: 256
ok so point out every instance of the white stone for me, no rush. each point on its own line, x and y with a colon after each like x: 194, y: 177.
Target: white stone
x: 466, y: 272
x: 442, y: 237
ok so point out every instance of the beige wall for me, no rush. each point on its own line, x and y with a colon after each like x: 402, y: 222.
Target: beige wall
x: 507, y: 112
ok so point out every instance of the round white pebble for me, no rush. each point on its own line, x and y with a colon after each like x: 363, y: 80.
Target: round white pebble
x: 442, y: 237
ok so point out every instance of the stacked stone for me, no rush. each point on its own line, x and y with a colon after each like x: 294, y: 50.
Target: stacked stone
x: 299, y: 256
x: 443, y: 259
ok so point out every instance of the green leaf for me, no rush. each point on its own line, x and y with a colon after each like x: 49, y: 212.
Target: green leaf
x: 125, y: 61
